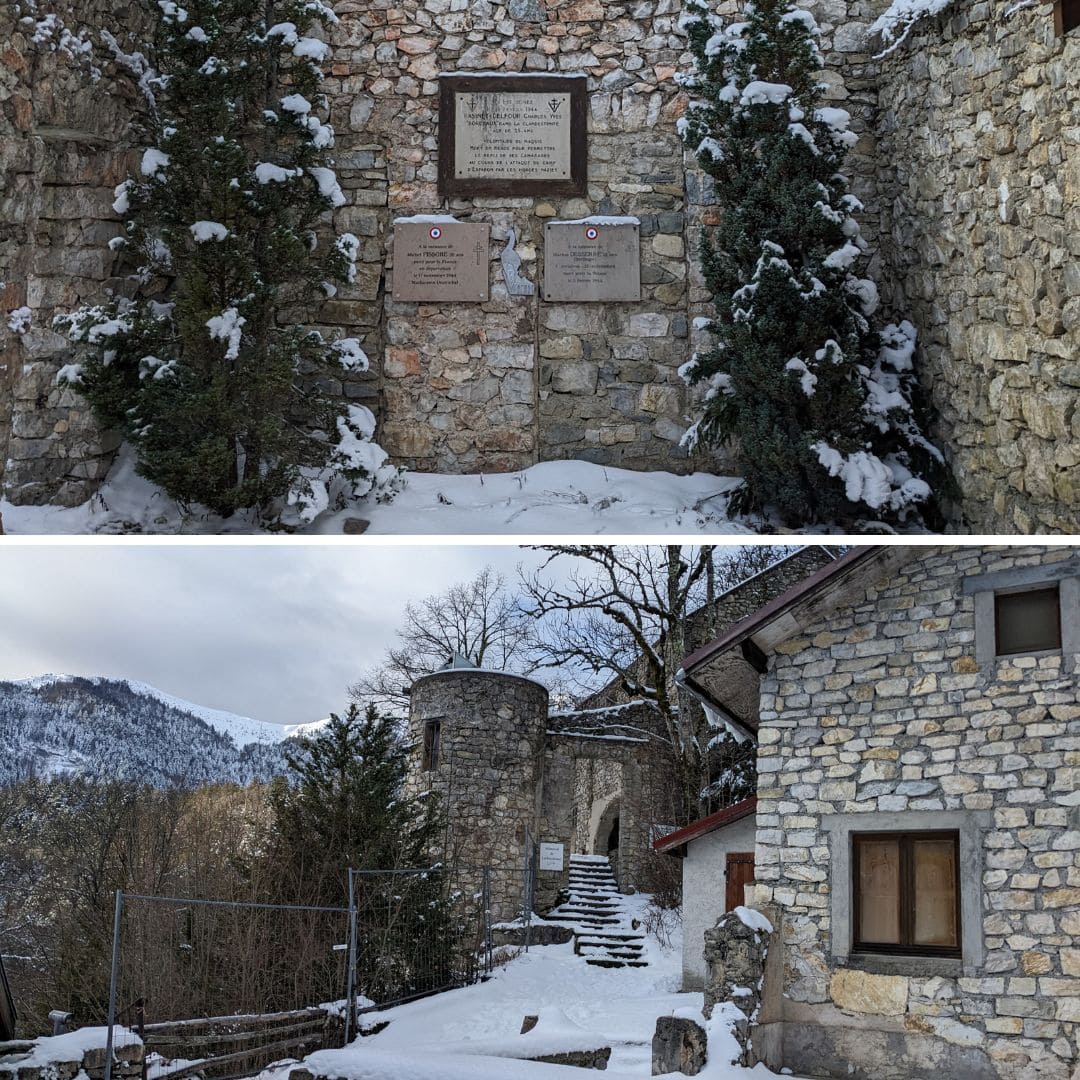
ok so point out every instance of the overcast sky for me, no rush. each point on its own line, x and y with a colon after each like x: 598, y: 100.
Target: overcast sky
x: 273, y: 632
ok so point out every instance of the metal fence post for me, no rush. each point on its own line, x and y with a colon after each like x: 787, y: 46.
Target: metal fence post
x: 140, y: 1025
x: 350, y: 984
x: 527, y: 900
x: 487, y: 921
x: 112, y: 983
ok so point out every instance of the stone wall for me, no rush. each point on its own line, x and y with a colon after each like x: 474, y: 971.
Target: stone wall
x: 978, y: 171
x: 67, y: 1058
x: 65, y: 133
x: 613, y: 770
x: 882, y: 715
x: 457, y: 387
x: 974, y: 105
x: 504, y: 384
x: 489, y: 770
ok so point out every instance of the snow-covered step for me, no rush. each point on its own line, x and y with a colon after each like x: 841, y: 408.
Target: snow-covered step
x: 590, y: 921
x: 603, y: 932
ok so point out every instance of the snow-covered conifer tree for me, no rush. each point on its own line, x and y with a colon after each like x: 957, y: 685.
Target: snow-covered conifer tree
x: 816, y: 402
x: 219, y: 392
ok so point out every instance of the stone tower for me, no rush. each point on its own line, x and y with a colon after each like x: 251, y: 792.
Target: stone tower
x: 478, y: 742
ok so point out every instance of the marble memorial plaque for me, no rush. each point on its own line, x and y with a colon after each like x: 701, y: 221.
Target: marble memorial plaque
x: 592, y: 260
x: 441, y: 260
x: 552, y: 856
x: 511, y: 135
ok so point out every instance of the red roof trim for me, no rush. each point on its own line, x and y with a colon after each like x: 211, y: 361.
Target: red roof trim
x: 705, y: 825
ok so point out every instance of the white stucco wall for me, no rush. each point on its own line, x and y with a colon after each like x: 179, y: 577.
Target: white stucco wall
x: 703, y: 890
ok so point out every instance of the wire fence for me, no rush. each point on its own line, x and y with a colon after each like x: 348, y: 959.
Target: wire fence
x: 222, y: 988
x: 420, y: 931
x: 179, y: 962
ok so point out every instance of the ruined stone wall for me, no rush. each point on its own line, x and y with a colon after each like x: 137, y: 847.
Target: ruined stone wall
x: 597, y: 782
x: 457, y: 387
x: 610, y: 767
x: 489, y: 771
x: 889, y: 714
x: 65, y: 133
x: 978, y: 170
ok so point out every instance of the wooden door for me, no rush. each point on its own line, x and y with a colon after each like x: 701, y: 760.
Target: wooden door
x: 738, y: 873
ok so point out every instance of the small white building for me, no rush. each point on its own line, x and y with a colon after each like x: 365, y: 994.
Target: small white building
x: 718, y: 854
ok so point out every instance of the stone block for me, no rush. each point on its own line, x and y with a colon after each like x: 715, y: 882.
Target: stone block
x: 679, y: 1045
x: 862, y: 992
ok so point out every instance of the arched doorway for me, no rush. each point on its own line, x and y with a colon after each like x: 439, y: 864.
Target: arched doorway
x: 605, y: 830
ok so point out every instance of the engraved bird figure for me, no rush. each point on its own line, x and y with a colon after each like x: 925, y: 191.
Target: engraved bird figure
x: 516, y: 283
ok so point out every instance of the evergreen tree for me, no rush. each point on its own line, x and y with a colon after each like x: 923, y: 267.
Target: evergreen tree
x: 817, y: 404
x: 348, y: 807
x: 204, y: 370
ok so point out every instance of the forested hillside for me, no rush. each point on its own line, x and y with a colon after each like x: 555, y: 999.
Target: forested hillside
x: 113, y: 729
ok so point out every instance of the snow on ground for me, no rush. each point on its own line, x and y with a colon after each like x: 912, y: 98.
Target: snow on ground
x: 554, y: 497
x: 474, y: 1033
x: 71, y: 1046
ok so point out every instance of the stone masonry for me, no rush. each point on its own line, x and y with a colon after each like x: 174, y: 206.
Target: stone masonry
x: 889, y: 713
x: 65, y: 138
x: 965, y: 163
x: 978, y: 175
x: 488, y: 774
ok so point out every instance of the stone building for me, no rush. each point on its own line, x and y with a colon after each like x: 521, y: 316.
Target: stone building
x: 597, y: 780
x: 966, y: 164
x: 507, y: 770
x: 918, y: 815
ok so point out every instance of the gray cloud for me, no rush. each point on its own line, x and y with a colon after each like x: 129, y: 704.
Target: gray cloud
x: 274, y: 632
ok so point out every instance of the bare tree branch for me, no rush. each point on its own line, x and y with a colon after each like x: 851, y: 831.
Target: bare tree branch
x: 480, y: 620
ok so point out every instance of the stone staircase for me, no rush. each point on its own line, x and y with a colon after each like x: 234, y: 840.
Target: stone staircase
x: 603, y: 933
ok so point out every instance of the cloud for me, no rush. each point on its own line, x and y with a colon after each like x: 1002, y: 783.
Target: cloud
x: 276, y: 632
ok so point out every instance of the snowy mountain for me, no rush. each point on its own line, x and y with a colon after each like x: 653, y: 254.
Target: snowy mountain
x: 118, y: 729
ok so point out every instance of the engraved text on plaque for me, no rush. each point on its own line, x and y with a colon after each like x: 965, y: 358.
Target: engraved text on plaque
x: 441, y: 260
x: 594, y: 259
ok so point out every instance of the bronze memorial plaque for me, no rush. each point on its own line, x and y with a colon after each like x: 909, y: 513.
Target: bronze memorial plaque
x: 593, y: 259
x: 441, y: 260
x: 511, y: 135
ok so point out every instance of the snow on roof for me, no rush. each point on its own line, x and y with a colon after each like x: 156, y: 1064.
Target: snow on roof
x: 602, y: 708
x: 608, y: 738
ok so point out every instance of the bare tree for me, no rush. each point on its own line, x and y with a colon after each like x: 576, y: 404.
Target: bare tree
x: 480, y: 620
x: 629, y: 615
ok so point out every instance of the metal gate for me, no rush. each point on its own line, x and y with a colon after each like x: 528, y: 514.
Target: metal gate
x: 419, y: 931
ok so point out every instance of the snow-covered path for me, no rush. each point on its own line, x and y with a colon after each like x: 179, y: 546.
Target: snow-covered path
x: 474, y: 1033
x: 552, y: 498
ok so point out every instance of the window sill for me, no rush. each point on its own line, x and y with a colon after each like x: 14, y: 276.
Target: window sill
x: 918, y: 966
x: 1034, y: 654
